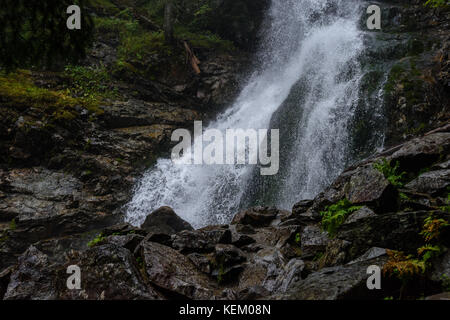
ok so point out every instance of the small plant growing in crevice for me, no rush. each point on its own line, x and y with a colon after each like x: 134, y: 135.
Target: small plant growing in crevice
x: 13, y: 225
x: 410, y: 267
x: 391, y: 173
x: 433, y: 227
x: 437, y: 3
x: 98, y: 239
x: 335, y: 215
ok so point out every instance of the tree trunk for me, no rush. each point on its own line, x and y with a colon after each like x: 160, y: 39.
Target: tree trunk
x: 168, y: 22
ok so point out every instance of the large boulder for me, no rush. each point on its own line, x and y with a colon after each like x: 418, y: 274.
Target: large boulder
x: 340, y: 282
x: 108, y: 272
x: 32, y: 278
x: 369, y: 186
x: 258, y: 216
x: 165, y: 221
x: 175, y: 274
x: 399, y: 230
x: 422, y: 152
x: 201, y: 241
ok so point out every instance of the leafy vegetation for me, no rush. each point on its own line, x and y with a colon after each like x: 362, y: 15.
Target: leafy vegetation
x: 433, y: 228
x: 409, y: 267
x: 335, y: 215
x: 98, y: 239
x: 17, y: 90
x: 90, y: 83
x: 391, y: 173
x: 437, y: 3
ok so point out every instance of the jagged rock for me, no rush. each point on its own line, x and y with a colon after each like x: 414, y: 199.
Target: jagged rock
x: 335, y: 253
x: 133, y: 113
x: 432, y: 182
x: 165, y: 221
x: 302, y: 206
x: 201, y: 261
x: 368, y: 186
x: 313, y: 240
x: 127, y: 241
x: 257, y: 217
x: 175, y: 274
x: 201, y: 241
x: 227, y: 259
x: 5, y: 277
x: 238, y: 239
x: 292, y: 274
x: 441, y: 268
x: 362, y: 213
x: 253, y: 293
x: 33, y: 278
x: 228, y: 255
x: 440, y: 297
x: 108, y: 272
x: 309, y: 217
x: 341, y: 282
x: 422, y: 152
x: 393, y: 230
x: 263, y: 268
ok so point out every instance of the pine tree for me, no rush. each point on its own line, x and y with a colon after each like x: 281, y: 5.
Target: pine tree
x: 34, y: 33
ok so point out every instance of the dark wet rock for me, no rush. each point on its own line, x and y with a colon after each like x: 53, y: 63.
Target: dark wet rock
x: 263, y: 268
x: 302, y: 207
x: 203, y: 240
x: 128, y: 241
x: 175, y: 274
x: 123, y: 229
x: 368, y: 186
x: 439, y: 297
x: 238, y: 239
x: 313, y: 240
x: 394, y: 230
x: 335, y: 253
x: 227, y: 255
x: 137, y: 113
x: 32, y: 278
x: 432, y: 182
x: 165, y: 221
x: 422, y: 152
x: 309, y: 217
x: 253, y: 293
x: 109, y: 272
x: 362, y: 213
x: 201, y: 261
x: 5, y: 277
x: 441, y: 271
x: 256, y: 217
x: 334, y: 283
x: 291, y: 274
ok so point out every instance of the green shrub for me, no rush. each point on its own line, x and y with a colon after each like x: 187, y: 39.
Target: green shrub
x: 391, y: 172
x: 335, y: 215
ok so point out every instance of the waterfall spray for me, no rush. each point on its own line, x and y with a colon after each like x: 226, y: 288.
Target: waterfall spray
x: 309, y: 60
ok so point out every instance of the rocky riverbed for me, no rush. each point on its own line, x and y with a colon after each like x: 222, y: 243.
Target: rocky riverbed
x: 64, y: 179
x: 264, y: 253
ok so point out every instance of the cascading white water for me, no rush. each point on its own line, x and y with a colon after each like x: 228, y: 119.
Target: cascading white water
x: 313, y: 41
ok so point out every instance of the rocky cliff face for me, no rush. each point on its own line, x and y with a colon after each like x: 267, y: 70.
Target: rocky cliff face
x: 67, y: 166
x: 65, y: 174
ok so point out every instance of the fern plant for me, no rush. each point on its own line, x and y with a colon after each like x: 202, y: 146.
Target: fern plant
x: 335, y: 215
x: 391, y: 173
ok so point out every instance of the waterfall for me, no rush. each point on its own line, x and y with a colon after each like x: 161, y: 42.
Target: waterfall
x: 307, y: 85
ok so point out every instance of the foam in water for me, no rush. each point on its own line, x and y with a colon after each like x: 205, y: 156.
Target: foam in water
x: 313, y: 41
